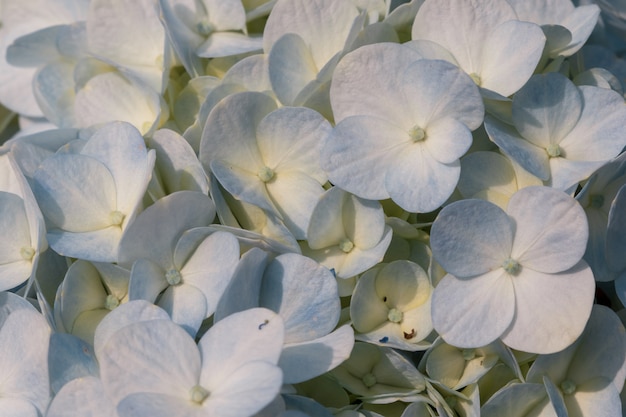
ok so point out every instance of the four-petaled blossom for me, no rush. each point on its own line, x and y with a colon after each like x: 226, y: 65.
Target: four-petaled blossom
x: 514, y: 275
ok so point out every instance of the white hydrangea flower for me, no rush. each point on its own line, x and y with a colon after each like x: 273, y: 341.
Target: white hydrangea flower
x: 182, y: 271
x: 391, y: 305
x: 24, y: 341
x: 566, y: 27
x: 514, y: 275
x: 479, y: 36
x: 561, y: 133
x: 22, y: 228
x: 304, y: 294
x: 583, y: 380
x: 493, y: 177
x: 91, y: 196
x: 207, y: 29
x: 402, y: 125
x: 155, y: 368
x: 266, y: 156
x: 346, y: 233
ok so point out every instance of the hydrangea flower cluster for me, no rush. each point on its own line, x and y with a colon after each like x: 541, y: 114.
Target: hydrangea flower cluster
x: 292, y: 208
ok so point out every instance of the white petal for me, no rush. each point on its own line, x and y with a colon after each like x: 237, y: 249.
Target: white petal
x: 96, y: 246
x: 468, y: 25
x: 128, y: 34
x: 553, y: 241
x: 551, y: 310
x: 158, y: 405
x: 359, y: 152
x: 69, y: 358
x: 175, y: 214
x: 326, y: 226
x: 291, y: 67
x: 24, y: 358
x: 230, y: 132
x: 245, y: 390
x: 122, y: 316
x: 111, y: 96
x: 154, y: 356
x: 547, y: 109
x: 369, y: 81
x: 76, y: 193
x: 304, y: 361
x: 447, y: 140
x: 222, y: 44
x: 82, y: 397
x: 186, y: 305
x: 533, y: 159
x: 295, y: 195
x: 435, y: 89
x: 244, y: 289
x: 516, y: 400
x: 147, y: 280
x: 417, y: 182
x: 505, y: 73
x: 471, y: 237
x: 304, y: 293
x: 211, y: 266
x: 259, y: 337
x: 473, y: 312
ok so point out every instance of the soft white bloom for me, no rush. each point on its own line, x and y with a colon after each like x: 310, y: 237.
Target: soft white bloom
x: 304, y: 294
x: 493, y: 177
x: 22, y: 228
x: 561, y: 133
x: 207, y: 29
x: 514, y: 275
x: 566, y: 27
x: 402, y: 125
x: 583, y: 380
x: 130, y: 36
x: 155, y: 368
x: 89, y: 197
x: 479, y: 36
x: 182, y: 271
x: 347, y: 234
x: 380, y: 375
x: 266, y: 156
x: 305, y: 39
x: 24, y: 340
x: 18, y: 19
x: 89, y: 292
x: 391, y: 306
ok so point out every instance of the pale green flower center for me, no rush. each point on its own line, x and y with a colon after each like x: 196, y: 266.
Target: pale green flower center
x: 198, y: 394
x: 204, y: 27
x: 111, y: 302
x: 468, y: 354
x: 116, y: 218
x: 417, y: 134
x: 369, y: 380
x: 597, y: 201
x: 27, y: 253
x: 346, y: 245
x: 553, y: 150
x: 511, y: 266
x: 476, y: 78
x: 173, y: 277
x: 568, y: 387
x: 266, y: 174
x: 395, y: 315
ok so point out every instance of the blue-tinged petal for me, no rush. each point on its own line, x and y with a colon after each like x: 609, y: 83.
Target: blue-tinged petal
x: 471, y: 237
x: 532, y: 158
x: 517, y: 400
x: 69, y: 358
x: 82, y: 397
x: 186, y: 305
x: 305, y: 360
x: 304, y: 293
